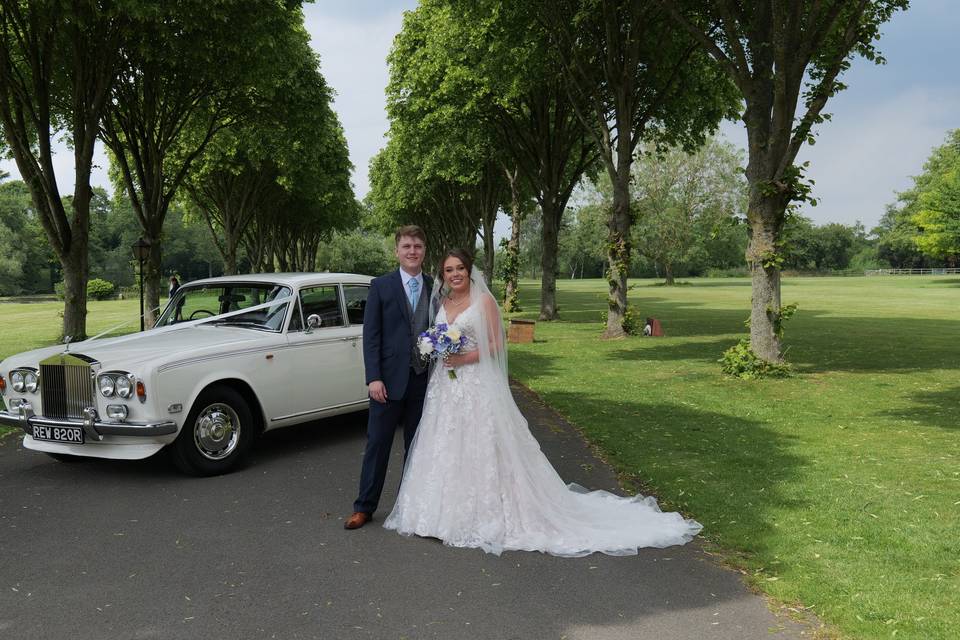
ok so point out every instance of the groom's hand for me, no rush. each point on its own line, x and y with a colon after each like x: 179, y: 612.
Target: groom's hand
x: 378, y: 391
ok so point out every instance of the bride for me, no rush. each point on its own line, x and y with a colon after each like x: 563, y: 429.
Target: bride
x: 475, y: 476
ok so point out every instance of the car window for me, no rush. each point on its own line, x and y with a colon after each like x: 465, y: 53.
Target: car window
x: 324, y: 302
x: 355, y: 297
x: 194, y: 303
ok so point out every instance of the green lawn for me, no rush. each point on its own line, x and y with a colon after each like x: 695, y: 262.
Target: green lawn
x: 838, y: 489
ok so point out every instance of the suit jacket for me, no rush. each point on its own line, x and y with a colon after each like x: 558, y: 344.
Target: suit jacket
x: 388, y: 339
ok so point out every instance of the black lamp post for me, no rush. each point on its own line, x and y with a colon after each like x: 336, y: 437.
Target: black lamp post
x: 141, y: 251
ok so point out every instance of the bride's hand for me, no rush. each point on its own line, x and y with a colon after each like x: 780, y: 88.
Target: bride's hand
x: 460, y: 359
x: 452, y: 361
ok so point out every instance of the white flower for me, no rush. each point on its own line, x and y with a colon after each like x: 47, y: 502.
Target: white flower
x: 426, y: 347
x: 454, y: 334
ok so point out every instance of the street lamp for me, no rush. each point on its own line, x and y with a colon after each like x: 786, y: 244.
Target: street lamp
x: 141, y: 251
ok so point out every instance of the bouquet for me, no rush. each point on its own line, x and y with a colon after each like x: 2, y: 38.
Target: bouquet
x: 440, y: 342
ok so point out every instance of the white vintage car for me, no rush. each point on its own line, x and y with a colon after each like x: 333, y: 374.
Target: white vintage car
x: 229, y: 358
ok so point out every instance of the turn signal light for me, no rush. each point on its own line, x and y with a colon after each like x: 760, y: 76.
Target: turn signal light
x: 3, y: 385
x: 141, y: 391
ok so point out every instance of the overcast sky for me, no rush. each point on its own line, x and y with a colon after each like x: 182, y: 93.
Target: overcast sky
x: 884, y: 125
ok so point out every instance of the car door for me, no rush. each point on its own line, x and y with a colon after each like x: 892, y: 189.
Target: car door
x: 355, y: 303
x: 323, y: 362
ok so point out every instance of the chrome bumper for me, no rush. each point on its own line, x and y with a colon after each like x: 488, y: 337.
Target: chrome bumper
x: 91, y: 424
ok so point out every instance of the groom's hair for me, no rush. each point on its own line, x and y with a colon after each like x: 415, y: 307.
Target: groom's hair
x: 411, y: 231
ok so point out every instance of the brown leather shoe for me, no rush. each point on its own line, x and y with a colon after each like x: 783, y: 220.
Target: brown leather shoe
x: 357, y: 520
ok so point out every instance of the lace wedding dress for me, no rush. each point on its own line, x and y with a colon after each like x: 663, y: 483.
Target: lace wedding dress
x: 475, y: 476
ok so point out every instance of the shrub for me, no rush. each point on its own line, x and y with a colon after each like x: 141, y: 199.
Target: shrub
x: 96, y: 288
x: 741, y: 362
x: 99, y: 289
x: 632, y: 322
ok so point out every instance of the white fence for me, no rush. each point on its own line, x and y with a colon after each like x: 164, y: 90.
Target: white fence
x: 911, y: 272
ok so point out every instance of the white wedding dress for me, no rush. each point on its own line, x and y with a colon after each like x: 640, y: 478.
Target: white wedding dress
x: 475, y: 477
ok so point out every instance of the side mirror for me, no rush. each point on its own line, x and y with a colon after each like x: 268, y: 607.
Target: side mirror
x: 314, y: 321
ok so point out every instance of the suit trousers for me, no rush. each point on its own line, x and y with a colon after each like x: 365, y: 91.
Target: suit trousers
x: 381, y: 426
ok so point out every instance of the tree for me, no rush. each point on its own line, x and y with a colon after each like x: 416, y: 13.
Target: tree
x: 938, y: 203
x: 449, y: 211
x: 27, y: 259
x: 681, y: 198
x: 895, y: 235
x: 643, y: 79
x: 582, y: 246
x: 525, y: 96
x: 447, y: 177
x: 779, y: 55
x: 58, y: 61
x: 939, y: 218
x: 828, y: 247
x: 195, y: 68
x: 356, y: 252
x: 291, y: 149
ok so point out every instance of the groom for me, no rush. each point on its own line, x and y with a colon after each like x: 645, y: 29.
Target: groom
x: 397, y: 312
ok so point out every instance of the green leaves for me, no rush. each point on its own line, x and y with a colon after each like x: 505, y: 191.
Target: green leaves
x: 937, y: 204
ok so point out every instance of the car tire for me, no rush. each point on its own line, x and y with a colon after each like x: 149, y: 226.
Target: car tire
x: 217, y: 434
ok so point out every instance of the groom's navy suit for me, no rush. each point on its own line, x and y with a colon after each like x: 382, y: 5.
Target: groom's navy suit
x: 390, y: 331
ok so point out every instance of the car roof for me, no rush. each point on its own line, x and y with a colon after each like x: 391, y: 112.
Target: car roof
x: 295, y: 280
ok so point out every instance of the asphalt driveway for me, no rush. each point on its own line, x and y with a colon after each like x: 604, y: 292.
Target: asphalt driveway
x: 130, y: 550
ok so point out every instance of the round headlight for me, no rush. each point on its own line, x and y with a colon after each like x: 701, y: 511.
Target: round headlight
x: 124, y: 386
x: 16, y: 380
x: 30, y: 381
x: 107, y: 386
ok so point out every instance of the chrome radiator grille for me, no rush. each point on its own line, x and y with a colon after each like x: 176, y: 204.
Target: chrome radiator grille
x: 65, y: 389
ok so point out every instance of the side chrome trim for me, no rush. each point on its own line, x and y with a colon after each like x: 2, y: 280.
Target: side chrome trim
x: 219, y: 356
x: 321, y: 410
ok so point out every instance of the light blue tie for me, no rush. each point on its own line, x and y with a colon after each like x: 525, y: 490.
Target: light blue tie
x: 414, y: 293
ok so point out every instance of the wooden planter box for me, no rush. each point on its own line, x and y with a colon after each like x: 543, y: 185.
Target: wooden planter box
x: 520, y: 330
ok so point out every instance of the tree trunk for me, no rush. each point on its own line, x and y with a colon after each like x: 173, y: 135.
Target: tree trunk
x: 550, y: 235
x: 512, y: 258
x: 489, y: 248
x: 511, y: 287
x: 75, y: 274
x: 765, y: 279
x: 618, y: 254
x: 668, y: 273
x: 230, y: 258
x: 152, y: 280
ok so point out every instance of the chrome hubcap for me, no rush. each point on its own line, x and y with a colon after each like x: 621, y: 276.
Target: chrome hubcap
x: 217, y: 431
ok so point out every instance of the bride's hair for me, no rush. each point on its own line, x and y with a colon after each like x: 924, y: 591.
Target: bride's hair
x: 460, y: 254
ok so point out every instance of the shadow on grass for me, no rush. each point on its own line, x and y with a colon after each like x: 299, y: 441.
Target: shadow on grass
x: 931, y: 408
x: 946, y: 282
x: 658, y: 350
x: 713, y: 466
x: 532, y: 365
x: 817, y: 342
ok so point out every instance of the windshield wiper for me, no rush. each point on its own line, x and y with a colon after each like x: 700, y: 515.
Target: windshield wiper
x: 246, y: 324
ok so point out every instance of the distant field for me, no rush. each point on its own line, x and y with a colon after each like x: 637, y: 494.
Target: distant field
x: 837, y: 490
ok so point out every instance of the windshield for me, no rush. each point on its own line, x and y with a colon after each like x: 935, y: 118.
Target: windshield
x: 207, y: 301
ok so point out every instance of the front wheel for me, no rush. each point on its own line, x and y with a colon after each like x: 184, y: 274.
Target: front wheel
x: 217, y: 434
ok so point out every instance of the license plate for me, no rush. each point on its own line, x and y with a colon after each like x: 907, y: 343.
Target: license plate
x: 72, y: 435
